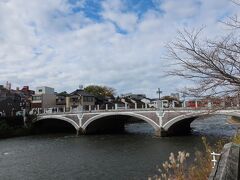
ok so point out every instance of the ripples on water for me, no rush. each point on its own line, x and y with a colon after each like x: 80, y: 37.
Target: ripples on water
x: 213, y: 126
x: 133, y: 155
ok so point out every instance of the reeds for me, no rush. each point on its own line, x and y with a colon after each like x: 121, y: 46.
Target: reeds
x: 178, y: 167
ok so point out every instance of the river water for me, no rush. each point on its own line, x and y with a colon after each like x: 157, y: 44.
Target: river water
x: 133, y: 155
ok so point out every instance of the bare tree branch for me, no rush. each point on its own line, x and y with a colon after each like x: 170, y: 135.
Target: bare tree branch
x: 215, y: 65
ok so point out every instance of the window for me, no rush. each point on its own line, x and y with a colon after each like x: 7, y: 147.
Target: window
x: 40, y: 90
x: 37, y: 98
x: 88, y: 99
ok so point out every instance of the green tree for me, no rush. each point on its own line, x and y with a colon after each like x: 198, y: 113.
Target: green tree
x: 100, y: 91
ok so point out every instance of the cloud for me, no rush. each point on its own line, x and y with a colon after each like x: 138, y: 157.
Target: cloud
x: 180, y: 9
x: 57, y: 44
x: 114, y: 11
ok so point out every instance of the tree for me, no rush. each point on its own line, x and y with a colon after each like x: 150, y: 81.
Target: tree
x: 100, y: 91
x: 64, y: 93
x: 213, y: 65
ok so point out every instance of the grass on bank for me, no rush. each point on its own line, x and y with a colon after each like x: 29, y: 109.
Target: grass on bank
x: 236, y: 139
x: 178, y: 167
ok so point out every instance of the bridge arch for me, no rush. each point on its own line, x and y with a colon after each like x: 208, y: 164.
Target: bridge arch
x: 187, y: 119
x: 127, y: 114
x: 73, y: 123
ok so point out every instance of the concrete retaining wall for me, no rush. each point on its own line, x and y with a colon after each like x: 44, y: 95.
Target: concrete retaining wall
x: 228, y: 166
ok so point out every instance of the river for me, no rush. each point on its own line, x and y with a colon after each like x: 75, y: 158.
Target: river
x: 133, y: 155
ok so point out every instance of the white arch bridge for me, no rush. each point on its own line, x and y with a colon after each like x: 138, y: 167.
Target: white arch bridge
x: 165, y: 122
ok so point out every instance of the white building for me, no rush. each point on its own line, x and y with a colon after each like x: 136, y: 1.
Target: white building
x: 44, y: 90
x: 44, y: 98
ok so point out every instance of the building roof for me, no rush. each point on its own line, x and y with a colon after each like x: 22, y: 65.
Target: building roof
x: 81, y: 92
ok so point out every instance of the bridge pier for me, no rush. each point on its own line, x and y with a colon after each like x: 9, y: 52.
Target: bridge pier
x: 77, y: 132
x: 161, y: 132
x: 80, y: 131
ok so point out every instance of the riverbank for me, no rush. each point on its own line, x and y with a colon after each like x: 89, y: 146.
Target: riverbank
x: 7, y: 131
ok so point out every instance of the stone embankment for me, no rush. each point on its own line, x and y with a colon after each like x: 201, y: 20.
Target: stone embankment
x: 228, y: 166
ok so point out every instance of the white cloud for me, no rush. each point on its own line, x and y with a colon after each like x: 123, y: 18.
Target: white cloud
x: 180, y: 9
x: 113, y: 11
x: 47, y: 44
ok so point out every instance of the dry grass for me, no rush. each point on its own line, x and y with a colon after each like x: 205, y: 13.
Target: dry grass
x: 177, y: 167
x: 236, y: 139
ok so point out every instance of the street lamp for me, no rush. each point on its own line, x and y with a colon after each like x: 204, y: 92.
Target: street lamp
x: 184, y: 96
x: 159, y: 93
x: 159, y: 104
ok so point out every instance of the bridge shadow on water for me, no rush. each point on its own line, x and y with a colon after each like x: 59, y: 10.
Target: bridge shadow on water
x: 53, y: 126
x: 119, y: 125
x: 107, y: 125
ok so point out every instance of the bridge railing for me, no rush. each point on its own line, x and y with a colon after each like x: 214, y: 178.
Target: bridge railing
x: 188, y: 109
x: 97, y: 111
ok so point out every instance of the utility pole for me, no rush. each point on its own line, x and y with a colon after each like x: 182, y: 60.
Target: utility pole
x: 184, y: 102
x: 159, y: 103
x: 159, y: 93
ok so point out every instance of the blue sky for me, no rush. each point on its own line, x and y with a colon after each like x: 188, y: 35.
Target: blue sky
x: 118, y: 43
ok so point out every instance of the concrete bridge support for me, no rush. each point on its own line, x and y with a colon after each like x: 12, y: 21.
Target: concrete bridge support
x: 80, y: 131
x: 160, y: 133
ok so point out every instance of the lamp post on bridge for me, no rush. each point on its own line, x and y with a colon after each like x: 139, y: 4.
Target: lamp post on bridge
x: 159, y: 104
x: 184, y: 102
x: 159, y: 93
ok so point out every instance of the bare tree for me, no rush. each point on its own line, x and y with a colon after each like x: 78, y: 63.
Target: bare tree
x: 213, y: 65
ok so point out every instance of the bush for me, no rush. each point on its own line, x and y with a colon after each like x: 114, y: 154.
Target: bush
x: 5, y: 129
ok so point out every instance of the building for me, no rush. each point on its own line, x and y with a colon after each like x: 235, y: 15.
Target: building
x: 138, y: 97
x: 44, y: 90
x: 176, y: 96
x: 27, y: 92
x: 43, y: 98
x: 211, y: 102
x: 134, y: 101
x: 62, y: 101
x: 3, y: 93
x: 80, y: 99
x: 11, y: 103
